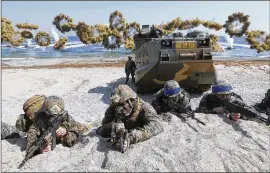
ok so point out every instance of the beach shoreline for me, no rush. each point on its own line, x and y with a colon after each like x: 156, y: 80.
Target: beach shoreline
x: 121, y: 63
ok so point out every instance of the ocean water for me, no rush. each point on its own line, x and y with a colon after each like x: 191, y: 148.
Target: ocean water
x: 76, y: 50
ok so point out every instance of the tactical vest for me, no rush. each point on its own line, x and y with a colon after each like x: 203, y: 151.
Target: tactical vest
x: 133, y: 121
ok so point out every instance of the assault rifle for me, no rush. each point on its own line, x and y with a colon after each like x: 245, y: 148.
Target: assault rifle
x: 190, y: 113
x: 54, y: 124
x: 121, y: 137
x: 238, y: 106
x: 174, y: 108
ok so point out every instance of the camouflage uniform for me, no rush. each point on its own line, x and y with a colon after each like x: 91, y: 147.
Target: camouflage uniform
x: 143, y: 121
x: 211, y: 101
x: 174, y: 101
x: 41, y: 123
x: 8, y: 131
x: 130, y: 69
x: 264, y: 106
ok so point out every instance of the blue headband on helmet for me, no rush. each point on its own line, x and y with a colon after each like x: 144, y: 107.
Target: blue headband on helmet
x: 221, y: 88
x: 169, y: 92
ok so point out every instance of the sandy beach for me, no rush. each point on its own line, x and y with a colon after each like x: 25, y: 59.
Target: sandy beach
x: 221, y: 145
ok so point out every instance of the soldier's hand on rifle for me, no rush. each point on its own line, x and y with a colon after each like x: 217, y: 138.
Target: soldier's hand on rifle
x: 119, y: 127
x: 48, y: 138
x: 234, y: 116
x: 219, y: 110
x: 46, y: 148
x: 48, y: 143
x: 124, y: 141
x: 61, y: 131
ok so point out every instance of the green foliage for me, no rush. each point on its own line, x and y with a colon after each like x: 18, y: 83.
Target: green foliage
x: 41, y: 35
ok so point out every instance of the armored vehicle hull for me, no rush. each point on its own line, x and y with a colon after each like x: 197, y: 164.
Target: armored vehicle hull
x: 194, y: 75
x: 187, y: 60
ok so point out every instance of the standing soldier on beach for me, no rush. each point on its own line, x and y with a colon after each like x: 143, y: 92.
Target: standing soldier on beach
x: 130, y: 113
x: 130, y: 68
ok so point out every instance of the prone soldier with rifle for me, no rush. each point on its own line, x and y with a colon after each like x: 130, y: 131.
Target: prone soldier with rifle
x: 172, y: 98
x: 51, y: 125
x: 129, y: 119
x: 223, y: 101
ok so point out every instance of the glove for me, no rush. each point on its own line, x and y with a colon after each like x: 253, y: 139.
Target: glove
x: 219, y: 110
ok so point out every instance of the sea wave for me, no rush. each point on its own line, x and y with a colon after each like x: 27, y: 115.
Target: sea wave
x: 75, y: 48
x: 235, y: 45
x: 75, y: 44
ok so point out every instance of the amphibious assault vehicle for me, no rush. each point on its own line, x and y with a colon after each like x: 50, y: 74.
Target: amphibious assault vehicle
x: 186, y: 59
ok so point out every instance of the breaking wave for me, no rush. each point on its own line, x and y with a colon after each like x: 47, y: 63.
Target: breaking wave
x: 239, y: 49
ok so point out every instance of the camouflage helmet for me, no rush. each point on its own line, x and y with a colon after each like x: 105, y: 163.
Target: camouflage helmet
x: 221, y: 87
x: 172, y: 88
x: 121, y: 94
x: 33, y: 105
x: 53, y: 105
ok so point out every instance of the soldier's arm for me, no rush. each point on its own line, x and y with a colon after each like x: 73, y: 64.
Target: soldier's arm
x: 126, y: 66
x: 186, y: 94
x: 203, y: 108
x: 134, y: 65
x: 23, y: 123
x: 157, y: 97
x: 186, y: 100
x: 74, y: 129
x: 33, y: 133
x: 236, y: 104
x: 109, y: 115
x: 105, y: 129
x: 151, y: 128
x: 157, y: 101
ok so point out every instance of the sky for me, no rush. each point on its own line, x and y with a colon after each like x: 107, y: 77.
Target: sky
x: 42, y: 13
